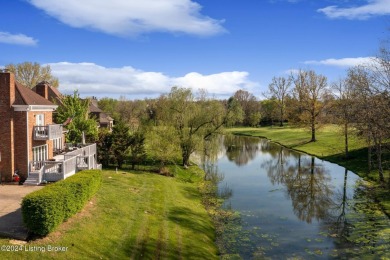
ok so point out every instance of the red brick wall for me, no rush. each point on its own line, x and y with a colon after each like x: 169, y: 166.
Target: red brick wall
x: 7, y: 98
x: 43, y: 90
x: 24, y: 130
x: 31, y: 124
x: 20, y: 144
x: 16, y: 127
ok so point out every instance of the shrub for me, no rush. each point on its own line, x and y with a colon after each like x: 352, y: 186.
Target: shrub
x: 45, y: 209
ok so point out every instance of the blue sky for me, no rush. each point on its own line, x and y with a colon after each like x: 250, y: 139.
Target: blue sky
x: 142, y: 48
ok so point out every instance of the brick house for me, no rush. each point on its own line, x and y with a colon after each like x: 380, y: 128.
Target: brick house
x: 29, y: 140
x: 103, y: 120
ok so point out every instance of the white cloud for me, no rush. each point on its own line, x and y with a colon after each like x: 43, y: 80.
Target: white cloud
x: 372, y: 8
x: 92, y: 79
x: 344, y: 62
x: 132, y: 17
x: 18, y: 39
x: 292, y: 71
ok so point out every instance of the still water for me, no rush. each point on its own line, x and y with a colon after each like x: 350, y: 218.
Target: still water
x: 291, y: 205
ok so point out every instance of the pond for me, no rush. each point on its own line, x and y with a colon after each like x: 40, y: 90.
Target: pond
x: 292, y: 205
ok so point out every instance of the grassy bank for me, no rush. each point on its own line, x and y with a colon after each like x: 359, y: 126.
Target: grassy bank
x: 329, y: 146
x: 135, y: 215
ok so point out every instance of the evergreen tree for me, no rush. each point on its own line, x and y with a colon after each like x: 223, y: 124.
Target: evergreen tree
x: 121, y: 141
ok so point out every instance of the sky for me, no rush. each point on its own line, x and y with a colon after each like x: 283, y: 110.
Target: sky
x: 140, y: 49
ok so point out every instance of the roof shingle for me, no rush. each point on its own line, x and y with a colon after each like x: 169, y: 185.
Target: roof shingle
x: 26, y: 96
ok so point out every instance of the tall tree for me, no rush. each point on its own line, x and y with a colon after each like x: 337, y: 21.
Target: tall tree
x: 249, y: 105
x: 121, y: 141
x: 104, y: 143
x: 133, y: 112
x: 345, y: 108
x: 193, y: 119
x: 109, y: 106
x: 279, y: 89
x: 75, y: 110
x: 269, y: 111
x: 373, y: 85
x: 311, y: 92
x: 30, y: 74
x: 358, y: 78
x: 137, y: 149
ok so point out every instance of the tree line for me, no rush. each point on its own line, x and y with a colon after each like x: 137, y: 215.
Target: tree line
x: 359, y: 103
x: 181, y: 122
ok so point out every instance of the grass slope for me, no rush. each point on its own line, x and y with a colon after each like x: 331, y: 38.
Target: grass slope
x: 135, y: 215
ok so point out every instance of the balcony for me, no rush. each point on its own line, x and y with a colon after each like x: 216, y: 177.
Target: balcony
x: 47, y: 132
x: 63, y: 165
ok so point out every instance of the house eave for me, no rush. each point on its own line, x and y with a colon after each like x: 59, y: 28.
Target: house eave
x: 49, y: 108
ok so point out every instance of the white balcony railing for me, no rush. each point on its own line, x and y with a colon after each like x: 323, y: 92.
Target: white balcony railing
x: 81, y: 159
x: 47, y: 132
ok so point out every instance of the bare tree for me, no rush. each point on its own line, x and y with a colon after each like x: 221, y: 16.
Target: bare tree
x: 344, y: 108
x: 372, y: 112
x: 279, y: 89
x: 311, y: 92
x: 30, y: 74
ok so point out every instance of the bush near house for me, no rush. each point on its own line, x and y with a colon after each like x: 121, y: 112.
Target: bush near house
x: 45, y: 209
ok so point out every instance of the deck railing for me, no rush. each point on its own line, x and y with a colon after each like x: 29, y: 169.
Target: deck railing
x: 47, y: 132
x: 77, y: 160
x: 38, y: 168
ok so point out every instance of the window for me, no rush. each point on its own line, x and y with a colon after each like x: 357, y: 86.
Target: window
x: 57, y: 145
x: 40, y: 120
x: 40, y: 153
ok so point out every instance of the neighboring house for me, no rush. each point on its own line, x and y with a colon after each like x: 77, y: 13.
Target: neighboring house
x: 49, y: 92
x: 31, y: 145
x: 103, y: 120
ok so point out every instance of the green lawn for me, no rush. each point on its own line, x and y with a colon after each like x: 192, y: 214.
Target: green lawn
x: 329, y: 146
x: 135, y: 215
x: 330, y: 139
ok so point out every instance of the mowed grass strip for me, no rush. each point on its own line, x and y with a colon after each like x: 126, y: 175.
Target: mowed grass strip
x: 330, y: 138
x: 135, y: 215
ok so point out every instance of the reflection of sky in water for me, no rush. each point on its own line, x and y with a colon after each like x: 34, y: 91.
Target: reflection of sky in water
x: 268, y: 210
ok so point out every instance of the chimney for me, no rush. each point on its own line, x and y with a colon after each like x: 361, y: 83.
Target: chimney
x: 94, y: 101
x: 42, y: 89
x: 7, y: 89
x: 7, y: 99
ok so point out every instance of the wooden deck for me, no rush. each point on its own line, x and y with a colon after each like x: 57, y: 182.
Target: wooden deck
x: 63, y: 165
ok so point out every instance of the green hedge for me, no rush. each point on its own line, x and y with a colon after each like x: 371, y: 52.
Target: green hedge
x: 45, y: 209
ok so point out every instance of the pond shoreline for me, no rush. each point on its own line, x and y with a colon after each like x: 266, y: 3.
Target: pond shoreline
x: 379, y: 192
x: 275, y: 190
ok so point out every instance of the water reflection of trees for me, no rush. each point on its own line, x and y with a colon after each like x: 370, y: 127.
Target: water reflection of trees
x: 307, y: 184
x: 215, y: 176
x: 241, y: 150
x: 337, y: 219
x: 357, y: 224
